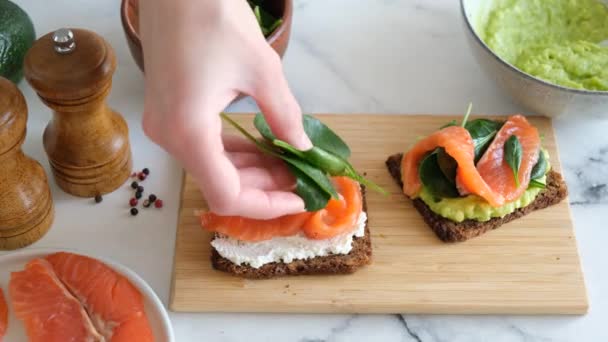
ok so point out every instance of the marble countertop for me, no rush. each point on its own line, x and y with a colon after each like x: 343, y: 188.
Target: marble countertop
x: 390, y: 56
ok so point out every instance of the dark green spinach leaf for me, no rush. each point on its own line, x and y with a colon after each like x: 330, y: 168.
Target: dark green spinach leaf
x: 433, y: 178
x: 267, y: 22
x: 540, y: 169
x: 535, y: 183
x: 320, y: 135
x: 314, y: 197
x: 483, y: 132
x: 447, y: 164
x: 513, y: 154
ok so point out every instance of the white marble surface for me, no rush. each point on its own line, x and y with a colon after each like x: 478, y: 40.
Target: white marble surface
x: 390, y: 56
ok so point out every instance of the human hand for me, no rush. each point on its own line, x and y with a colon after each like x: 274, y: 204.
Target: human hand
x: 199, y: 55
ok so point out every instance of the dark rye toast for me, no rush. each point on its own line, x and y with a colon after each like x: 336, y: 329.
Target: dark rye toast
x: 450, y: 231
x: 359, y: 256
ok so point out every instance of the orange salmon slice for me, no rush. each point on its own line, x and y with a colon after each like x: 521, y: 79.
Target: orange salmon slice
x: 3, y: 315
x: 458, y: 143
x: 493, y: 167
x: 48, y: 310
x: 115, y: 306
x: 492, y: 178
x: 338, y: 216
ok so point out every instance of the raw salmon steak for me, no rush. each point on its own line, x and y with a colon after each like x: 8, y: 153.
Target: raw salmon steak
x: 115, y: 306
x: 3, y: 315
x: 70, y: 297
x: 48, y: 310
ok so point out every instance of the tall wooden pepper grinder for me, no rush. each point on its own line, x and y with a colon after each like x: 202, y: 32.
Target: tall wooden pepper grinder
x: 26, y: 205
x: 87, y: 143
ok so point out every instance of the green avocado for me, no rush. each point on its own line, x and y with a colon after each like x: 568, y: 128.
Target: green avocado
x: 473, y: 207
x: 555, y: 40
x: 16, y: 37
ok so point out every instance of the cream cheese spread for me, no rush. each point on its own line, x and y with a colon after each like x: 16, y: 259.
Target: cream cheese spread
x: 286, y: 249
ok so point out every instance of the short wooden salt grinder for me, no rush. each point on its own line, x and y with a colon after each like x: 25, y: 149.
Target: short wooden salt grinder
x: 26, y: 205
x: 87, y: 143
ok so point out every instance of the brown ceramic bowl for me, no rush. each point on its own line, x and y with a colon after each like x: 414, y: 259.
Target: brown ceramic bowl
x: 279, y: 39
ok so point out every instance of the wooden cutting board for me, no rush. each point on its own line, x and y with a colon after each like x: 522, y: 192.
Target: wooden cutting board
x: 530, y: 266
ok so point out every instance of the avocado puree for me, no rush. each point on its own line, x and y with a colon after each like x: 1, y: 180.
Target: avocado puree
x: 555, y: 40
x: 473, y: 207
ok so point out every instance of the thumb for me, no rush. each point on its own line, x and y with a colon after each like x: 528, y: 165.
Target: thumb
x: 280, y: 108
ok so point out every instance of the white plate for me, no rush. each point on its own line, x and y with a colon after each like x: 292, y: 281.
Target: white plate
x: 15, y: 261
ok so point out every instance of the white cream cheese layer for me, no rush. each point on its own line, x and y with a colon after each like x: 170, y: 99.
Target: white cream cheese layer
x: 286, y: 249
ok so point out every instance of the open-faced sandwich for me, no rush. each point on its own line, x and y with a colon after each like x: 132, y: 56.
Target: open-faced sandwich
x: 331, y: 237
x: 466, y: 179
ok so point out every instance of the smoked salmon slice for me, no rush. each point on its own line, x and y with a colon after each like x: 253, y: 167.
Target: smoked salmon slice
x: 494, y: 169
x: 492, y: 178
x: 115, y: 306
x: 46, y: 307
x: 458, y: 143
x: 336, y: 218
x: 340, y: 215
x: 3, y: 315
x: 246, y: 229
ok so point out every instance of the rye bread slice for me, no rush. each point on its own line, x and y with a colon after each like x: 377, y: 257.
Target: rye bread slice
x: 359, y: 256
x: 451, y: 231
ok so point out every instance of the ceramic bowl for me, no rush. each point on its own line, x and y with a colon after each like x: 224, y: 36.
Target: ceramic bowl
x: 279, y: 39
x: 534, y: 94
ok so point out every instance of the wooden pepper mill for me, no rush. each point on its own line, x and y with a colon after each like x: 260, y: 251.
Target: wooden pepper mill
x: 87, y: 143
x: 26, y: 205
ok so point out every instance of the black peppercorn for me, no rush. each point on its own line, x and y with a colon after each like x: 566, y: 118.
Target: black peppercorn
x: 134, y: 211
x: 152, y: 198
x: 134, y: 185
x: 145, y: 171
x: 138, y: 195
x: 98, y: 199
x: 140, y: 189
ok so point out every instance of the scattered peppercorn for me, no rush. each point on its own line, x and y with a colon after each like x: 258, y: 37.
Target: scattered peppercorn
x: 138, y: 195
x: 146, y: 203
x: 134, y: 174
x: 133, y: 202
x: 152, y: 198
x: 134, y: 185
x: 134, y: 211
x: 98, y: 199
x: 140, y: 189
x: 145, y: 171
x: 158, y: 203
x: 141, y: 176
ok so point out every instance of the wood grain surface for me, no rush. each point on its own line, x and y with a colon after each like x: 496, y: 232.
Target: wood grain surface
x: 529, y: 266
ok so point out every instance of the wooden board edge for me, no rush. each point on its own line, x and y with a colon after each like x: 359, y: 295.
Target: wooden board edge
x: 177, y: 230
x: 580, y: 309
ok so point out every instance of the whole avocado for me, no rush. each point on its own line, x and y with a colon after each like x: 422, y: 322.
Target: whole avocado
x: 16, y: 37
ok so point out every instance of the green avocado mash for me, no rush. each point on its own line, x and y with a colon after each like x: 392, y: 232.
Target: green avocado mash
x: 555, y: 40
x: 473, y: 207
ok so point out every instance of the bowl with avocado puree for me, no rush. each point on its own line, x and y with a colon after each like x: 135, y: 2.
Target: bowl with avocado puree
x: 551, y: 56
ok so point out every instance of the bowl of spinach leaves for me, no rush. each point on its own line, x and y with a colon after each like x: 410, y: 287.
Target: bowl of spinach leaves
x: 273, y: 16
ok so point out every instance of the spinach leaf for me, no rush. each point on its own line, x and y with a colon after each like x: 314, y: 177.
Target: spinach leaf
x: 535, y: 183
x: 447, y: 164
x: 267, y: 22
x: 313, y: 173
x: 318, y: 176
x: 320, y: 135
x: 513, y: 154
x: 483, y: 132
x: 540, y: 169
x: 329, y: 163
x: 433, y: 178
x: 314, y: 197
